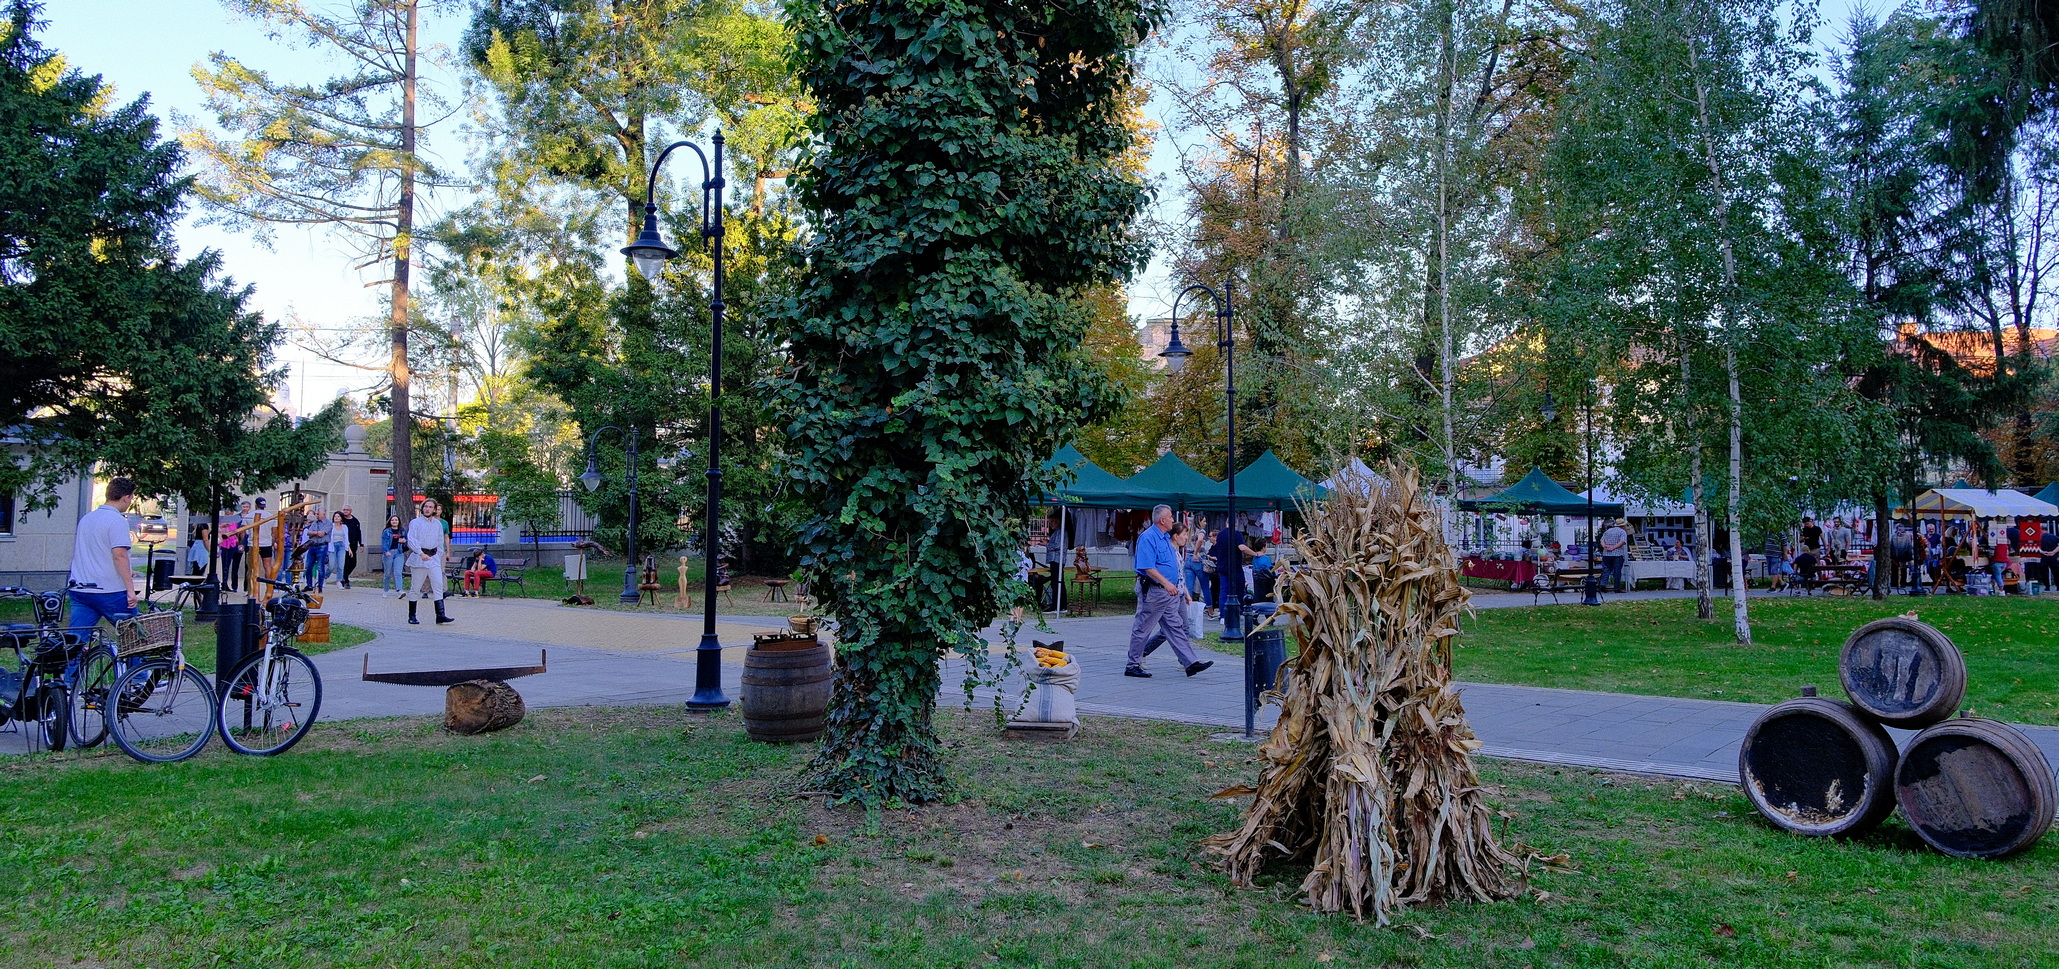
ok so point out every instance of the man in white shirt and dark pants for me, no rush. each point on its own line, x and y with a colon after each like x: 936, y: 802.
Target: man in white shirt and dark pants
x: 101, y: 583
x: 428, y: 549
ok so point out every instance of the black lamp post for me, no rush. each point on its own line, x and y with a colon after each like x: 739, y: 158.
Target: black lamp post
x: 592, y: 479
x: 1590, y: 590
x: 1176, y: 354
x: 650, y: 253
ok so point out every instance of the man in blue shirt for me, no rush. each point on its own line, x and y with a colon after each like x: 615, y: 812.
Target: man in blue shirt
x: 1160, y: 603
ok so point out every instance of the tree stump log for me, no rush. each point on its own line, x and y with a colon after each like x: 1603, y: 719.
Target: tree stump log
x: 481, y: 706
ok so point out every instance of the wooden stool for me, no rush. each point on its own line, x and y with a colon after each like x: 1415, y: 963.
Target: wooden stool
x: 775, y: 590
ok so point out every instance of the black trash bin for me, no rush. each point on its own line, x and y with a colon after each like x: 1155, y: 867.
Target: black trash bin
x: 236, y: 637
x: 1267, y: 649
x: 161, y: 575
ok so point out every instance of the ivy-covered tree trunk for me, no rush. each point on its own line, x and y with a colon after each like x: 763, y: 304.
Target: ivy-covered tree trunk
x: 967, y: 196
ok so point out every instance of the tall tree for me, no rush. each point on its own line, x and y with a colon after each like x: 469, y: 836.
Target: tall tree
x: 344, y: 153
x: 969, y: 194
x: 1689, y: 183
x: 114, y: 353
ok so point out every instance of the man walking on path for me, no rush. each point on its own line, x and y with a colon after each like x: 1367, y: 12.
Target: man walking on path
x: 1159, y: 600
x: 428, y: 549
x: 1229, y: 551
x: 101, y: 583
x: 357, y: 541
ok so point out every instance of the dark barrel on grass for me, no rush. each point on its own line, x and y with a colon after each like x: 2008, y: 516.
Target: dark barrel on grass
x: 1976, y: 788
x: 1817, y: 766
x: 1902, y: 672
x: 785, y: 694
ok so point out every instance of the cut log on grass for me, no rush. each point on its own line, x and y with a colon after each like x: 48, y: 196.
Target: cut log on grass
x: 1369, y: 773
x: 481, y: 706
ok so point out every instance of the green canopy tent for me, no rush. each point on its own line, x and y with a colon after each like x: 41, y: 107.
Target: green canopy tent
x: 1091, y: 485
x: 1171, y: 481
x: 2050, y: 495
x: 1269, y: 484
x: 1538, y: 493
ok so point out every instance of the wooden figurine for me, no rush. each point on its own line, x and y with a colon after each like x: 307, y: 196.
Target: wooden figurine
x: 685, y: 599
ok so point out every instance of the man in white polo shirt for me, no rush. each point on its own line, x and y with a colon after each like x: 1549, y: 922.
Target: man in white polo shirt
x: 428, y: 549
x: 100, y: 576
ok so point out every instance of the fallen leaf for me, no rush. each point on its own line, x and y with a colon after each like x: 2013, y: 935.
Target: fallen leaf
x: 538, y: 779
x: 1792, y: 874
x: 1725, y: 931
x: 1092, y: 844
x: 1527, y: 944
x: 1324, y: 957
x: 1421, y: 933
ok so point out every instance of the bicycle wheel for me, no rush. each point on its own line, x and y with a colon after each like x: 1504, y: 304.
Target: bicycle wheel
x: 268, y: 706
x: 53, y: 712
x: 161, y: 714
x: 88, y: 690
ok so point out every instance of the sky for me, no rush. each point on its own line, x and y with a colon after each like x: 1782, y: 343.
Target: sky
x: 149, y: 47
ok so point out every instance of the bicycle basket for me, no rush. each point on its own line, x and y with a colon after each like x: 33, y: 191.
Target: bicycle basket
x: 150, y: 632
x: 289, y: 613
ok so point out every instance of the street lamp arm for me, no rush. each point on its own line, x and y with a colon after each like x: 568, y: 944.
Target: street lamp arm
x: 710, y: 179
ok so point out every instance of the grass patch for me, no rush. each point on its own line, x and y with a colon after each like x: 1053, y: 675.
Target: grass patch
x: 650, y: 837
x: 1658, y: 647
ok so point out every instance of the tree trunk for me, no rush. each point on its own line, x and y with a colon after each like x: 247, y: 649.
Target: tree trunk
x: 403, y: 477
x: 1883, y: 559
x: 1741, y: 612
x: 1446, y: 353
x: 481, y: 706
x: 1704, y: 606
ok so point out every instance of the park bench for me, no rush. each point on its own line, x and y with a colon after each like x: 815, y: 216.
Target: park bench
x: 509, y: 573
x: 1555, y: 581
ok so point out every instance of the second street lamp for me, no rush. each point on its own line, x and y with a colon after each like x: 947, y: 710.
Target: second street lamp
x: 592, y: 480
x: 650, y: 253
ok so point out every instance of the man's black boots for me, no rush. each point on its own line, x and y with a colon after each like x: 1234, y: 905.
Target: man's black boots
x: 440, y: 617
x: 412, y: 621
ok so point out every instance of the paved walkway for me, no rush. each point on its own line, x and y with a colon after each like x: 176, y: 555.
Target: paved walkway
x: 601, y: 657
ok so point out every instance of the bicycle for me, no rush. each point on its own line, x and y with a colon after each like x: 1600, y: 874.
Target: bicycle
x: 162, y: 709
x: 276, y: 690
x: 34, y: 692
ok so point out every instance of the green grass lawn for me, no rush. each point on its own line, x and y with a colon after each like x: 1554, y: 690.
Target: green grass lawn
x: 648, y: 837
x: 1658, y: 647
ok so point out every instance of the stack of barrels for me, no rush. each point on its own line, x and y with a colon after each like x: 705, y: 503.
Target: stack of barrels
x: 1969, y: 787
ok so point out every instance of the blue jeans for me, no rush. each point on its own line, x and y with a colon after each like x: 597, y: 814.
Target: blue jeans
x: 317, y: 564
x: 88, y: 608
x: 390, y: 580
x: 1198, y: 582
x: 1612, y: 572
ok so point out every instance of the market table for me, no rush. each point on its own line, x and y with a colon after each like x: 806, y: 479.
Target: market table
x: 1513, y: 571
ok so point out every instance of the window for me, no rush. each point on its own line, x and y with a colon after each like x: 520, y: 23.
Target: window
x: 6, y: 514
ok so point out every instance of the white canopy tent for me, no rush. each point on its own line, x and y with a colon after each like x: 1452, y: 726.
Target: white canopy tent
x: 1976, y: 503
x: 1604, y: 495
x: 1357, y: 475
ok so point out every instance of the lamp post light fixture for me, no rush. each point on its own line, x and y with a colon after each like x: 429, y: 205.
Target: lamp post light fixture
x: 650, y: 253
x: 592, y: 480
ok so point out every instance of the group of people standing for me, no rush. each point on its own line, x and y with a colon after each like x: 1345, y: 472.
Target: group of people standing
x: 327, y: 548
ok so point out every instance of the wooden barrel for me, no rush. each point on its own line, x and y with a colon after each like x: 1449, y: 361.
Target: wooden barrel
x: 1976, y: 788
x: 785, y: 693
x: 1902, y: 672
x: 1816, y: 766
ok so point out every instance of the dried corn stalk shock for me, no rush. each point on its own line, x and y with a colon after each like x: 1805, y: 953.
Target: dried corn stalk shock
x: 1370, y: 770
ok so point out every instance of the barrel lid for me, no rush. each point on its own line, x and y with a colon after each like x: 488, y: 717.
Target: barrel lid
x: 1903, y: 671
